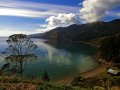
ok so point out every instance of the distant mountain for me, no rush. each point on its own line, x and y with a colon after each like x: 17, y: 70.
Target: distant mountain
x: 38, y: 35
x: 61, y: 33
x: 83, y: 32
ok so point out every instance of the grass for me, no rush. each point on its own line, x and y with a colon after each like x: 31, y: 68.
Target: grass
x: 99, y: 82
x: 103, y: 81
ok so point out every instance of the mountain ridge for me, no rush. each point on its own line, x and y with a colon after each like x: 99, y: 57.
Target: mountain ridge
x: 84, y: 32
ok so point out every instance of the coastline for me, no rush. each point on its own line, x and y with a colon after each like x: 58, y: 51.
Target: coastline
x: 87, y: 74
x: 94, y: 72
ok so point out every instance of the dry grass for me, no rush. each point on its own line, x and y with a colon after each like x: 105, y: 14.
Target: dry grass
x: 17, y: 86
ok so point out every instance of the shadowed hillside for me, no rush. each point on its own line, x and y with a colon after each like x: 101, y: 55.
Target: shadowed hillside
x: 84, y: 32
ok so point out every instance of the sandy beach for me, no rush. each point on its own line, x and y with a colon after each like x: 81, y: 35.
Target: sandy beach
x: 93, y: 72
x: 90, y: 73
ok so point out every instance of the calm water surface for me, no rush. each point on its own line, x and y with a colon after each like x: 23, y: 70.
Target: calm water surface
x: 60, y: 59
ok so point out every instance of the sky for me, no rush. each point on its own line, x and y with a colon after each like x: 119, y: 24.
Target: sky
x: 39, y: 16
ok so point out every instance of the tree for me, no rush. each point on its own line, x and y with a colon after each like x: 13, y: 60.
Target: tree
x: 19, y: 52
x: 45, y: 76
x: 110, y: 49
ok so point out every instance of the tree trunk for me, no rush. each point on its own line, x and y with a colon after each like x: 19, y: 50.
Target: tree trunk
x: 21, y: 69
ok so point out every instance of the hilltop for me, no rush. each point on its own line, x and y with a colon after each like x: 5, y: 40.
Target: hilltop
x: 83, y: 32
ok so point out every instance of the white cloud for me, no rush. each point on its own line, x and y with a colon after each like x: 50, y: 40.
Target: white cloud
x: 94, y: 10
x: 40, y: 6
x: 61, y: 20
x: 30, y: 9
x: 118, y: 14
x: 11, y: 31
x: 114, y: 14
x: 25, y: 13
x: 57, y: 15
x: 35, y: 10
x: 91, y: 11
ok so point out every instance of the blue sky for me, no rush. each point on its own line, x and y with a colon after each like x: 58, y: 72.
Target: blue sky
x: 37, y: 16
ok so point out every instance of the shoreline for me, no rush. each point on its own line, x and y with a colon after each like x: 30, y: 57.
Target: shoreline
x: 87, y: 74
x: 94, y: 72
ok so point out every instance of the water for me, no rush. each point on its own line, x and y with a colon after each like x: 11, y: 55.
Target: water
x: 60, y: 59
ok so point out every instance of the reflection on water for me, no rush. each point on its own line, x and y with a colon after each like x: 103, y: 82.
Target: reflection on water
x: 60, y: 59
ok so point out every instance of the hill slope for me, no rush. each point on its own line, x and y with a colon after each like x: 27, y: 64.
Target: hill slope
x: 84, y: 32
x: 99, y: 30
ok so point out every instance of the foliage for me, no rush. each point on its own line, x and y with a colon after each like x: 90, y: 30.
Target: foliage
x: 45, y: 77
x: 19, y: 51
x: 17, y: 83
x: 51, y: 87
x: 110, y: 49
x: 103, y: 81
x: 83, y: 32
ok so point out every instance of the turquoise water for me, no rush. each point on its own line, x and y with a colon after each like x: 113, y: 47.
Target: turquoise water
x: 60, y: 59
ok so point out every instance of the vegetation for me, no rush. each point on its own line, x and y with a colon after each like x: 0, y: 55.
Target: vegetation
x: 99, y: 30
x: 83, y: 32
x: 21, y: 48
x: 100, y: 82
x: 45, y: 77
x: 19, y: 51
x: 110, y: 49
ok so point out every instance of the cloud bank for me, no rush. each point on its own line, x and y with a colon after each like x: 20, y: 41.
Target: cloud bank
x: 93, y: 10
x: 58, y: 15
x: 61, y: 20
